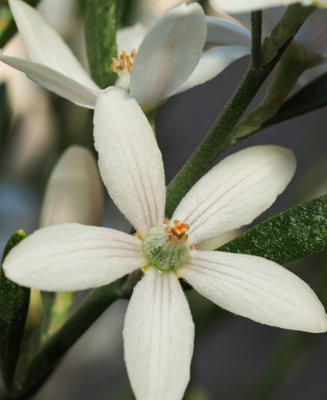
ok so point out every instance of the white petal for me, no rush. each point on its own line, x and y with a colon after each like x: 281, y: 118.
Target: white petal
x: 69, y: 257
x: 129, y: 159
x: 130, y: 38
x: 158, y: 338
x: 236, y: 191
x: 235, y: 6
x: 256, y: 288
x: 54, y: 81
x: 217, y: 241
x: 212, y: 63
x: 222, y: 32
x: 74, y: 190
x: 44, y: 46
x: 168, y: 54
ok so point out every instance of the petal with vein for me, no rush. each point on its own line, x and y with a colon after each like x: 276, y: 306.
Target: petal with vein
x: 256, y: 288
x: 130, y: 161
x: 235, y: 6
x: 222, y: 32
x: 158, y: 338
x: 54, y: 81
x: 44, y: 46
x: 236, y: 191
x: 168, y: 54
x: 212, y: 63
x: 69, y: 257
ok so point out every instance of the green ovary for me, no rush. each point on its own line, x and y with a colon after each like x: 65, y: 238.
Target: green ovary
x: 162, y: 253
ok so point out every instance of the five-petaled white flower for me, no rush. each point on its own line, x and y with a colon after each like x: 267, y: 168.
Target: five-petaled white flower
x: 237, y: 6
x: 158, y: 331
x: 169, y: 59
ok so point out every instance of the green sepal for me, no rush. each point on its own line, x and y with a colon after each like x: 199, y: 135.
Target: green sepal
x: 7, y: 23
x: 295, y: 233
x: 100, y: 32
x: 14, y: 301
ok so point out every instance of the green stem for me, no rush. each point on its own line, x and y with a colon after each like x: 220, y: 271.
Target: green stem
x: 256, y: 27
x: 52, y: 352
x: 220, y: 135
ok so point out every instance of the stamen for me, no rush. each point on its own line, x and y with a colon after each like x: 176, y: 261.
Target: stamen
x: 178, y: 231
x: 125, y: 62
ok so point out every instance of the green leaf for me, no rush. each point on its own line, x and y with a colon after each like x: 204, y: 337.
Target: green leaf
x: 309, y: 98
x: 14, y: 301
x: 7, y: 23
x: 4, y: 113
x: 100, y: 31
x: 295, y: 233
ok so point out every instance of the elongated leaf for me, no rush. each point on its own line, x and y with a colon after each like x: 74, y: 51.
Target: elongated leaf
x: 14, y: 301
x: 309, y: 98
x: 100, y: 31
x: 7, y: 23
x: 295, y: 233
x: 4, y: 113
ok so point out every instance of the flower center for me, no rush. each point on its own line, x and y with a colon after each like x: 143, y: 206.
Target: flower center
x: 122, y: 67
x: 165, y: 246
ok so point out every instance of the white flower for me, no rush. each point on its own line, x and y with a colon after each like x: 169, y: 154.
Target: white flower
x: 168, y: 61
x: 312, y: 37
x: 158, y: 331
x: 236, y: 6
x: 74, y: 190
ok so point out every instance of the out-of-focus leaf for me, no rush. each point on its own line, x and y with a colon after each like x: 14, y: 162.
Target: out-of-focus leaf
x: 100, y: 31
x: 309, y: 98
x: 295, y: 233
x: 7, y: 23
x: 59, y: 313
x: 14, y: 301
x: 4, y: 113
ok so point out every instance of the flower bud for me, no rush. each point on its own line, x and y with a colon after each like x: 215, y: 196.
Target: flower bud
x: 74, y: 190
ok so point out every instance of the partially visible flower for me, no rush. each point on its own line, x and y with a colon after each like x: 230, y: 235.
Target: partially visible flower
x: 74, y: 190
x: 237, y: 6
x: 168, y: 61
x: 158, y: 331
x: 33, y: 119
x: 312, y: 37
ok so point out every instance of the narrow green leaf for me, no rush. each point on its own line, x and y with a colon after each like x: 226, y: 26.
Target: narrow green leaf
x: 295, y: 233
x: 100, y: 31
x: 14, y: 301
x: 7, y: 23
x: 4, y: 113
x: 309, y: 98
